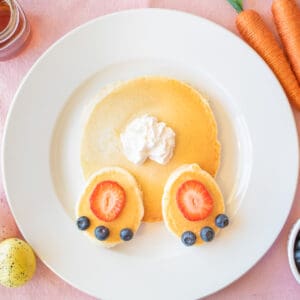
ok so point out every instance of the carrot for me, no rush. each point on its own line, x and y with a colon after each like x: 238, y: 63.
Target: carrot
x: 257, y: 34
x: 286, y: 16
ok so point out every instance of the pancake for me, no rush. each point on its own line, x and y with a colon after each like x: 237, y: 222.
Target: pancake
x: 130, y: 215
x: 175, y: 103
x: 174, y: 220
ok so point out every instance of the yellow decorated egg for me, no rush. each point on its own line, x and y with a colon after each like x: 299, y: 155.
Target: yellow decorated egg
x: 17, y: 262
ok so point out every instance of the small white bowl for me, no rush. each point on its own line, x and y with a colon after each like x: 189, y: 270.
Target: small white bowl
x: 290, y: 249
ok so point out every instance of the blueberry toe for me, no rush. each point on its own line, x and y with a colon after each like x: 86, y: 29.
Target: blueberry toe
x: 126, y: 234
x: 221, y: 221
x: 207, y: 234
x: 101, y: 233
x: 83, y: 223
x: 188, y: 238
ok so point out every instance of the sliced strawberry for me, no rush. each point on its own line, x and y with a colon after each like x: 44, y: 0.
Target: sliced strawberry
x: 194, y: 201
x: 107, y: 200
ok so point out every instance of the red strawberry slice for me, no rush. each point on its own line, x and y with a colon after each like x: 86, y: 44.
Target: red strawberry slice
x: 107, y: 200
x: 194, y: 201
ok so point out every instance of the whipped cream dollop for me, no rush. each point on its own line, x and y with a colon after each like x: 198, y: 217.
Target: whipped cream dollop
x: 145, y: 137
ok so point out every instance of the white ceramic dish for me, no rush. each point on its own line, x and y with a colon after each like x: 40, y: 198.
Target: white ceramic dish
x: 42, y: 174
x: 290, y: 249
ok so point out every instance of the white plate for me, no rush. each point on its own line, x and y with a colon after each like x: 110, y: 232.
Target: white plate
x: 259, y: 156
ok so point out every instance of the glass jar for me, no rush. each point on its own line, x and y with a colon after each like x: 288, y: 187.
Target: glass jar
x: 14, y: 28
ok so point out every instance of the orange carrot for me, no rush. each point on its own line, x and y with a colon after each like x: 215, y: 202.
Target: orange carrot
x: 286, y: 16
x: 257, y: 34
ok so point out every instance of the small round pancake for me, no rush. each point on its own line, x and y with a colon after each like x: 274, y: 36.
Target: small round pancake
x: 173, y: 218
x: 131, y: 214
x: 173, y: 102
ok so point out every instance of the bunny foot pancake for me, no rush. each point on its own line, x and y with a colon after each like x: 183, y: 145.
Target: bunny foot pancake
x: 110, y: 209
x: 150, y: 126
x: 193, y: 205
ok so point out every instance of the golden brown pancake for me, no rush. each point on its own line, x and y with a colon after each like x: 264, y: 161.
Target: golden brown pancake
x: 178, y: 105
x: 130, y: 216
x: 173, y: 217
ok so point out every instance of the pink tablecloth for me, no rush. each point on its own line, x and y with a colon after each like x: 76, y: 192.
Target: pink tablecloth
x: 270, y: 278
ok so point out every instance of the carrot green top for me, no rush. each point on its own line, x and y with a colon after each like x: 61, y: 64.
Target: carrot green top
x: 237, y: 5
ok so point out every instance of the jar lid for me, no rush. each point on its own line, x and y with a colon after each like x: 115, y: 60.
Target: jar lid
x: 16, y: 33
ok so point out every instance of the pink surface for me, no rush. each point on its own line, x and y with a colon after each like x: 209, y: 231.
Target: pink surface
x: 270, y: 278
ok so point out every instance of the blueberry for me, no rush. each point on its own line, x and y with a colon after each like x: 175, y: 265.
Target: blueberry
x: 101, y: 233
x: 188, y: 238
x: 83, y: 223
x: 221, y: 221
x: 297, y: 244
x: 207, y: 234
x: 298, y: 266
x: 126, y: 234
x: 297, y: 255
